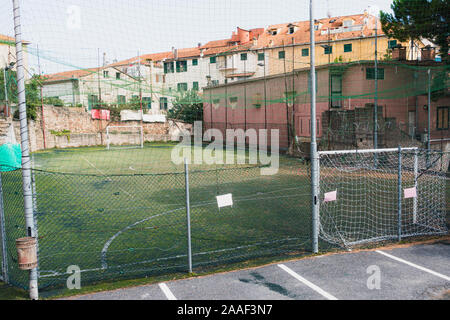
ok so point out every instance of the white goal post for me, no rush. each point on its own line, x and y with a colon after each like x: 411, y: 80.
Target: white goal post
x: 380, y: 194
x: 124, y: 137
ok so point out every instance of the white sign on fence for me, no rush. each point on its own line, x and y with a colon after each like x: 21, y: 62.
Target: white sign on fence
x: 225, y: 200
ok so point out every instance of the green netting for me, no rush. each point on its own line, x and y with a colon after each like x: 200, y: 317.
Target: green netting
x: 10, y: 157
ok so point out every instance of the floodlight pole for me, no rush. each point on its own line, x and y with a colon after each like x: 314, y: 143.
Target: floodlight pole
x: 314, y: 154
x: 26, y: 161
x: 429, y: 118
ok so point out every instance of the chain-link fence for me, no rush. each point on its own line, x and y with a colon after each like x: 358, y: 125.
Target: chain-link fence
x: 128, y: 219
x: 117, y: 225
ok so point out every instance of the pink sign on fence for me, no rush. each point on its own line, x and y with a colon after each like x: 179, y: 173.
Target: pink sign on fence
x: 330, y: 196
x: 410, y: 193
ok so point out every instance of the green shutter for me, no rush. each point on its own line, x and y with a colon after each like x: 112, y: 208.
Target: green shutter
x: 305, y: 52
x: 195, y: 86
x: 194, y: 62
x: 243, y: 56
x: 281, y: 55
x: 212, y: 60
x: 328, y: 50
x: 348, y: 47
x: 261, y: 56
x: 392, y: 44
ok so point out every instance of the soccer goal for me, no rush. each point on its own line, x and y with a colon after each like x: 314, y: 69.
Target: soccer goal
x: 124, y: 137
x: 374, y: 195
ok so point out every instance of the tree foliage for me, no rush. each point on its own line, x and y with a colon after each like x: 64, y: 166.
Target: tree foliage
x: 415, y: 19
x: 187, y: 107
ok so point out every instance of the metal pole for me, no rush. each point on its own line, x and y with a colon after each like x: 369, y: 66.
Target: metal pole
x: 188, y: 214
x: 399, y: 195
x: 375, y: 109
x: 429, y: 118
x: 416, y: 174
x: 4, y: 247
x: 26, y: 162
x: 314, y: 155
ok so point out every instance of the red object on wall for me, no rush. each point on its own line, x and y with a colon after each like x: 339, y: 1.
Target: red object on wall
x: 100, y: 114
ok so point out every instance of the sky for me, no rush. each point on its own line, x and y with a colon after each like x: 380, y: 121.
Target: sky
x: 70, y: 33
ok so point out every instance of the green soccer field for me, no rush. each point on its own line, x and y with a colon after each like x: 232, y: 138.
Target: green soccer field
x: 121, y: 213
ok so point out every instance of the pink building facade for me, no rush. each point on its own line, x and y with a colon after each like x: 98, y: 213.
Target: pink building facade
x: 283, y: 102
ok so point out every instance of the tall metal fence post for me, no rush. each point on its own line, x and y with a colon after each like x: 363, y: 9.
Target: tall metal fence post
x: 416, y: 174
x: 188, y: 214
x: 4, y: 247
x: 26, y: 162
x: 399, y: 213
x: 314, y: 155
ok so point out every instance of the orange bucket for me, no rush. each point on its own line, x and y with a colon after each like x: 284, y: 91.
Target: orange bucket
x: 26, y: 253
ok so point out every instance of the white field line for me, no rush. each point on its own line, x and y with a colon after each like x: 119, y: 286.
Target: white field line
x: 308, y: 283
x: 104, y: 174
x: 165, y: 289
x: 440, y: 275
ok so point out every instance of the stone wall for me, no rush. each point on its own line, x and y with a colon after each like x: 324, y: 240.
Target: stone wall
x: 82, y: 130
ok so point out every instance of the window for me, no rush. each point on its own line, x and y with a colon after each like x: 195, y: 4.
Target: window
x: 212, y: 60
x: 182, y: 86
x: 233, y: 99
x: 370, y: 74
x: 163, y: 103
x: 305, y: 52
x: 105, y: 74
x: 261, y: 56
x: 169, y: 67
x: 336, y: 90
x: 348, y: 47
x: 328, y: 50
x: 442, y: 118
x: 147, y: 102
x: 291, y: 30
x: 215, y: 82
x: 92, y: 101
x: 243, y: 56
x: 281, y: 54
x: 195, y: 86
x: 121, y: 100
x: 392, y: 44
x: 195, y: 62
x: 117, y: 75
x: 181, y: 66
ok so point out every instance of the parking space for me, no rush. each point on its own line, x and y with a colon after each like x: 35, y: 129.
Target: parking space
x: 412, y: 272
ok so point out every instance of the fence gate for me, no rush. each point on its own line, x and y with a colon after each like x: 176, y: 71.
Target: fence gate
x: 373, y: 195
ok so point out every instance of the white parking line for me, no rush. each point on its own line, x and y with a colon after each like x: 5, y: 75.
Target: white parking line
x: 414, y: 265
x: 308, y: 283
x: 165, y: 289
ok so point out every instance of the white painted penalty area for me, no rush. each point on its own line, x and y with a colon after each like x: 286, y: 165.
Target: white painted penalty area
x: 308, y: 283
x: 165, y: 289
x: 437, y: 274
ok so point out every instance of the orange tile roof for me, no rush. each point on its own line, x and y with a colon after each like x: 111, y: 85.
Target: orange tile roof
x: 68, y: 75
x: 5, y: 38
x: 302, y: 34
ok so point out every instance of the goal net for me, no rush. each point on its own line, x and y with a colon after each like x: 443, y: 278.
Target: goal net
x: 124, y: 137
x: 374, y: 195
